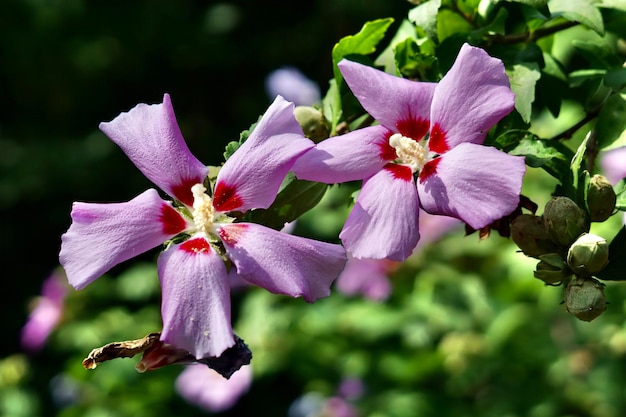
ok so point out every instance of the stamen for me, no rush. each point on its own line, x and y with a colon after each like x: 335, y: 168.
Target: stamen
x: 202, y: 209
x: 409, y: 151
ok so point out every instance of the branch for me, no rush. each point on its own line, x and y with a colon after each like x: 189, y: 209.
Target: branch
x: 528, y: 36
x: 592, y: 114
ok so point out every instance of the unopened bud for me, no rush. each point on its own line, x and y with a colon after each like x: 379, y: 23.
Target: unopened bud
x: 529, y: 233
x: 313, y: 123
x: 564, y: 220
x: 588, y: 255
x: 601, y: 198
x: 552, y: 269
x: 584, y: 298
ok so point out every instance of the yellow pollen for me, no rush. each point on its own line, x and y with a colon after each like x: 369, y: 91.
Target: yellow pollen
x: 202, y: 209
x: 409, y: 151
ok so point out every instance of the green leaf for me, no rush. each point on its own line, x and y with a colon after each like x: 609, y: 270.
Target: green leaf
x: 581, y: 11
x: 523, y: 80
x: 412, y: 63
x: 616, y: 268
x: 613, y: 4
x: 232, y: 146
x: 425, y: 16
x: 616, y: 78
x: 532, y: 3
x: 331, y: 106
x: 577, y: 78
x: 611, y: 125
x: 552, y: 156
x: 577, y: 183
x: 598, y: 52
x: 620, y: 192
x: 450, y: 23
x: 405, y: 31
x: 362, y: 43
x: 294, y: 199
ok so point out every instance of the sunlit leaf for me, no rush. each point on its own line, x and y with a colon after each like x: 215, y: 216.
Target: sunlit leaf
x: 425, y: 16
x: 580, y: 11
x: 523, y: 80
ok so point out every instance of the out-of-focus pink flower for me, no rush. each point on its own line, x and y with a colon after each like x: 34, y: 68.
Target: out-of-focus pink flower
x: 46, y: 315
x: 370, y: 277
x: 613, y: 164
x: 202, y: 386
x: 293, y: 85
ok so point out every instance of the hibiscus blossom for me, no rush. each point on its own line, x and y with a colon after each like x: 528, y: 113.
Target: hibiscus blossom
x: 201, y: 232
x: 426, y: 152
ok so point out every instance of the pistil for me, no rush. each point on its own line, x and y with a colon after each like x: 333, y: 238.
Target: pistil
x: 203, y: 212
x: 409, y: 151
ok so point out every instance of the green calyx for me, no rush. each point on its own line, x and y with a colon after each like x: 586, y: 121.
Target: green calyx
x: 564, y: 220
x: 584, y: 298
x: 601, y: 198
x: 313, y: 123
x: 529, y: 233
x: 588, y: 255
x: 552, y: 269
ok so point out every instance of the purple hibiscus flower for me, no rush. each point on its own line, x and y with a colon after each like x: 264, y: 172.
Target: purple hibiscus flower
x: 194, y: 277
x: 429, y: 131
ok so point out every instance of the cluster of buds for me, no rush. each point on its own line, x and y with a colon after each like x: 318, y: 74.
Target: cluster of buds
x: 566, y: 251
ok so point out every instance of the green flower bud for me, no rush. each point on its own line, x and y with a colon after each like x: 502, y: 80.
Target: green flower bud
x: 313, y: 122
x: 564, y: 220
x: 601, y: 198
x: 552, y: 269
x: 584, y: 298
x: 588, y: 255
x: 529, y: 233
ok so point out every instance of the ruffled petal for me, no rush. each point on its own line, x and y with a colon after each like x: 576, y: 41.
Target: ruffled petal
x: 195, y: 303
x: 283, y: 263
x: 149, y: 135
x: 472, y: 97
x: 350, y: 157
x: 477, y: 184
x: 384, y: 220
x: 251, y: 177
x: 104, y: 235
x: 398, y: 104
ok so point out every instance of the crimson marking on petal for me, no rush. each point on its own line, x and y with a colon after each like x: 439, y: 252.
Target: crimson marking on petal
x: 415, y: 129
x: 195, y: 246
x: 225, y: 198
x: 401, y: 172
x: 182, y: 192
x: 429, y: 169
x: 232, y: 233
x: 172, y: 222
x: 387, y: 152
x: 437, y: 141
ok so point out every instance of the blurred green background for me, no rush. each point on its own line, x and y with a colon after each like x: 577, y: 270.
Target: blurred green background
x: 467, y: 330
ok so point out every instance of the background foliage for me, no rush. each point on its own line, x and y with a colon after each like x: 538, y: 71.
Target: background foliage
x: 467, y: 330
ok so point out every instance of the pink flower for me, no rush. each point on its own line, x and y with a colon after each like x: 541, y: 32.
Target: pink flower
x: 47, y: 313
x: 613, y: 164
x: 429, y: 131
x: 194, y: 277
x: 204, y: 387
x: 292, y: 84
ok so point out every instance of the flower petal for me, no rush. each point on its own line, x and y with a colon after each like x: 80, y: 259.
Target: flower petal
x: 251, y: 177
x: 283, y: 263
x: 384, y: 220
x: 477, y: 184
x: 195, y: 304
x: 149, y: 135
x: 367, y: 277
x: 104, y: 235
x: 613, y: 163
x: 472, y: 97
x: 350, y: 157
x: 398, y: 104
